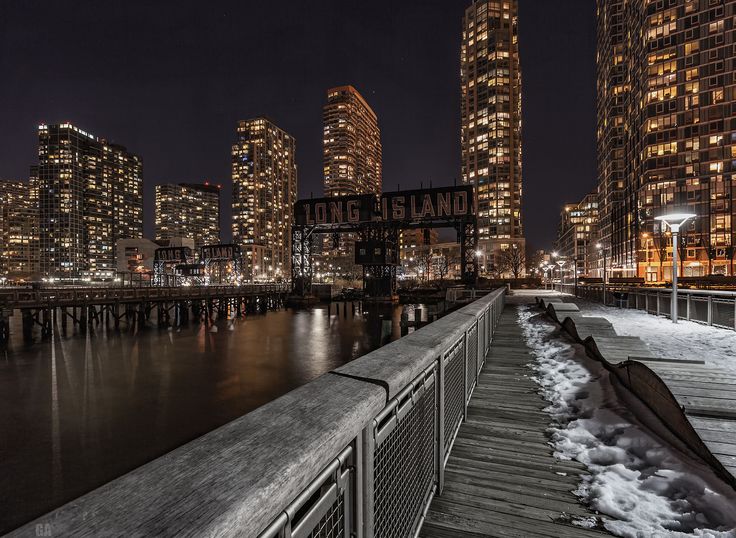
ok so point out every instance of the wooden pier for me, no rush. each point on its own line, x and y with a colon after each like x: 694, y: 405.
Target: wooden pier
x: 502, y: 478
x: 90, y: 306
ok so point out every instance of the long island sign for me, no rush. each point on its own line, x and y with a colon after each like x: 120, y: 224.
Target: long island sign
x: 400, y: 207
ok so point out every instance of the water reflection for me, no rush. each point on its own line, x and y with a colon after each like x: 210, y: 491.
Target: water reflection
x: 80, y: 410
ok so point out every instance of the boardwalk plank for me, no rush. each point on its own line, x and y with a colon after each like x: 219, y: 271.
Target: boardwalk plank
x: 502, y: 478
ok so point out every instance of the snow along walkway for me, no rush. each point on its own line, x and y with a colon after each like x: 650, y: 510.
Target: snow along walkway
x: 707, y: 391
x: 642, y: 485
x: 502, y: 478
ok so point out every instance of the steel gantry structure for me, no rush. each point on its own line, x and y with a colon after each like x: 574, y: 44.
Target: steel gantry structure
x: 377, y: 223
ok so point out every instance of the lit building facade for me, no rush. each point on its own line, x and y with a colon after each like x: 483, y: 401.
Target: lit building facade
x: 666, y: 78
x: 90, y: 195
x: 352, y: 155
x: 414, y: 241
x: 352, y: 161
x: 190, y: 210
x: 264, y: 174
x: 491, y: 123
x: 577, y: 234
x: 19, y: 228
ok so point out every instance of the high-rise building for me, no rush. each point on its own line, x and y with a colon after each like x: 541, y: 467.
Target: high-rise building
x: 612, y: 89
x: 491, y: 123
x: 264, y: 191
x: 189, y: 210
x: 352, y: 161
x: 666, y: 133
x: 351, y: 144
x: 577, y: 235
x: 19, y: 228
x: 90, y: 195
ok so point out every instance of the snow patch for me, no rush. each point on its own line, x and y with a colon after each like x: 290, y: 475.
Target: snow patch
x: 684, y: 340
x: 640, y: 485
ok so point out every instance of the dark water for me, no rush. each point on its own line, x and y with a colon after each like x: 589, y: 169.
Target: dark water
x: 78, y: 411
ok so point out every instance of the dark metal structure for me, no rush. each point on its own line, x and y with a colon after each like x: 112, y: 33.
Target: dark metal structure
x: 222, y: 260
x: 168, y: 258
x: 377, y: 223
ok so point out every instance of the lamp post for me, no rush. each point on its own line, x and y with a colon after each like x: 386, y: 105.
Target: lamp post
x: 674, y: 221
x: 561, y: 263
x: 602, y: 250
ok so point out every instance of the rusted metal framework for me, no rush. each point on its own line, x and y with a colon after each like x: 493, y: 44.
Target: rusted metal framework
x: 377, y: 224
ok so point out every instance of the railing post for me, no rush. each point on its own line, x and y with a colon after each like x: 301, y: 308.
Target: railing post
x: 710, y: 310
x: 440, y: 437
x: 357, y: 498
x: 465, y: 375
x: 367, y: 501
x: 658, y: 296
x: 689, y: 301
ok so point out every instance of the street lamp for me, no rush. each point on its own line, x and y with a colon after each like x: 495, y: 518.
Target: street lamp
x: 674, y: 221
x: 561, y: 263
x: 600, y: 248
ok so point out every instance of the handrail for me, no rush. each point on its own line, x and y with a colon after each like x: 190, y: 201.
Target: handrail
x: 711, y: 307
x: 335, y: 451
x: 629, y: 288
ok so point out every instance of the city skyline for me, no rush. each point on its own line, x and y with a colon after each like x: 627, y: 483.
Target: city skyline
x: 382, y: 75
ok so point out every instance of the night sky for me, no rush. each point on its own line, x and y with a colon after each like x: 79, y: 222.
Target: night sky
x: 170, y: 79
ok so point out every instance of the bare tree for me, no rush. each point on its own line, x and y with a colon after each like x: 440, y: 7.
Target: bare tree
x: 442, y: 265
x: 424, y: 264
x: 512, y: 260
x: 534, y: 261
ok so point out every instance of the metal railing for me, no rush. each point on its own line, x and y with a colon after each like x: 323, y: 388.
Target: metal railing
x: 406, y: 445
x: 710, y: 307
x: 358, y: 452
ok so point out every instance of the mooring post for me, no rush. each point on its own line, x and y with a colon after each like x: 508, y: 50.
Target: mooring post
x: 83, y: 319
x: 27, y: 316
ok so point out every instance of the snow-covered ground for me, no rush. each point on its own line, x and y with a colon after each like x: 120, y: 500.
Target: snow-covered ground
x: 684, y: 340
x: 638, y: 485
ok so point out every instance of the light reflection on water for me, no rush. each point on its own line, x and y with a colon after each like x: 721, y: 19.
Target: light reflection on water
x: 77, y: 411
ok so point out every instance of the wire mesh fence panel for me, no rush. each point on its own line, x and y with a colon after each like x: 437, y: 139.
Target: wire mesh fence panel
x: 453, y: 390
x: 325, y: 508
x: 665, y: 304
x: 651, y: 306
x: 472, y: 355
x: 332, y: 524
x: 404, y: 470
x: 699, y: 309
x: 723, y: 313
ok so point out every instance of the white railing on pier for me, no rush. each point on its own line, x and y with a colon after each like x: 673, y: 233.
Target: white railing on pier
x: 360, y: 451
x: 711, y: 307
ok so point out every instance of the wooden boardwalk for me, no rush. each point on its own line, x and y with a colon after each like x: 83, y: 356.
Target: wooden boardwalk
x: 502, y: 478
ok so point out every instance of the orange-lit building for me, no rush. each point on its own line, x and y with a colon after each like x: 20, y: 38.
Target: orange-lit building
x: 666, y: 133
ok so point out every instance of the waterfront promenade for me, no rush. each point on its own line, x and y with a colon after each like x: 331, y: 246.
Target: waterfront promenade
x: 502, y: 478
x: 442, y: 433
